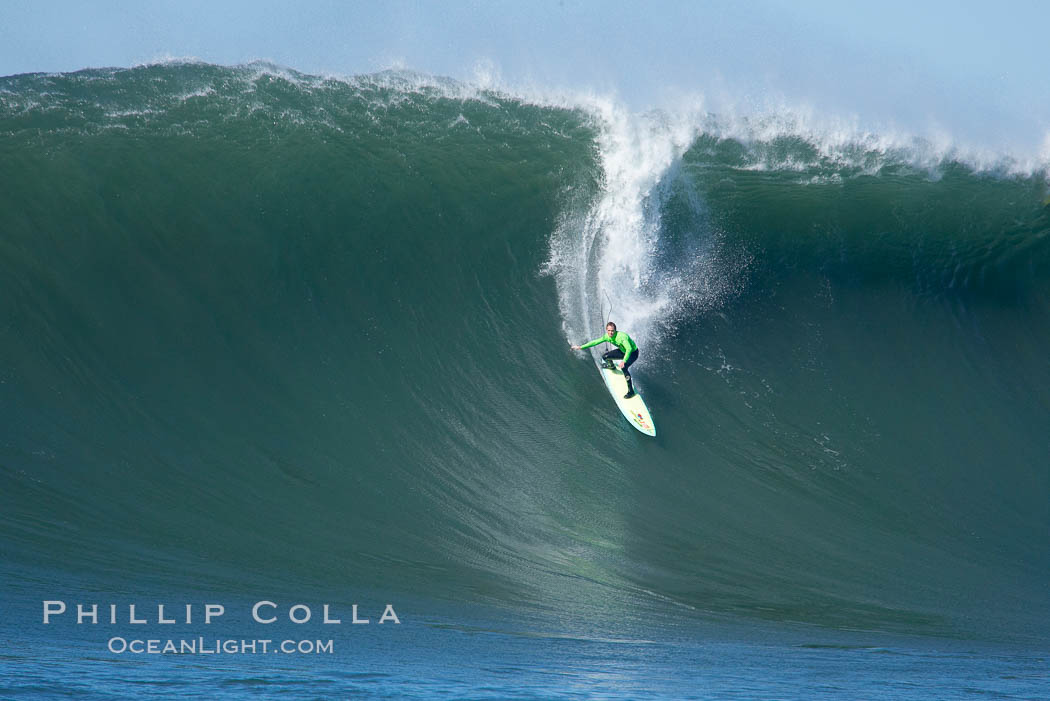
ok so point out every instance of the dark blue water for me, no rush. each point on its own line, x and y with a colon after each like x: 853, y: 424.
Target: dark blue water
x: 441, y: 651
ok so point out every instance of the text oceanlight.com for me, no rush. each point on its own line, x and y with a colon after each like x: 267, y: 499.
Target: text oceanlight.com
x: 202, y: 646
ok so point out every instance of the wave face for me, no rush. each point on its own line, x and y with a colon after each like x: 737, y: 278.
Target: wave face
x: 261, y: 326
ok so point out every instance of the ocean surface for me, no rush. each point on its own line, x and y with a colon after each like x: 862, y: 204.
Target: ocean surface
x: 267, y: 336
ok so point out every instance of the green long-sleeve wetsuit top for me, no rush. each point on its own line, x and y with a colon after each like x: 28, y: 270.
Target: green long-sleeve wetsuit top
x: 618, y: 339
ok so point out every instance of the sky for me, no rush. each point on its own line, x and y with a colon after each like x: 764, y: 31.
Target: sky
x: 978, y: 70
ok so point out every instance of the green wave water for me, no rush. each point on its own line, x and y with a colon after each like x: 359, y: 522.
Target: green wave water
x: 267, y: 327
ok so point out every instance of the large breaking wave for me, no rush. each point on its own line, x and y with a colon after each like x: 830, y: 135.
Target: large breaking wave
x: 261, y: 325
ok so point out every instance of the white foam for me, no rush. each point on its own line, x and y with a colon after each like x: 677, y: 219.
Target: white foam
x: 121, y: 114
x: 605, y: 256
x: 167, y: 59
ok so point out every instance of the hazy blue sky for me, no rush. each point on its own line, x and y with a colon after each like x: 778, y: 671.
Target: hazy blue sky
x: 974, y: 68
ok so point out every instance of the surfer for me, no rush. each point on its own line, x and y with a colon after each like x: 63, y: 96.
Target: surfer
x: 625, y: 348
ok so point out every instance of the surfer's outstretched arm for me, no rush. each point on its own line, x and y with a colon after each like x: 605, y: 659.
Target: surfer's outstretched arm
x: 603, y: 339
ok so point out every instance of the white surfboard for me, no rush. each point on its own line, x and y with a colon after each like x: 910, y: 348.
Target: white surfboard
x: 633, y: 409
